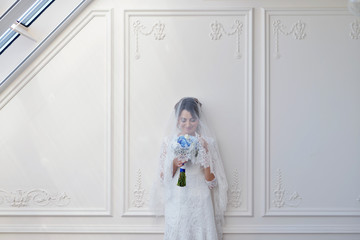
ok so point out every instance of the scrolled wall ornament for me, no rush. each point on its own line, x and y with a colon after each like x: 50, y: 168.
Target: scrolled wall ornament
x: 217, y: 31
x: 354, y: 7
x: 297, y: 30
x: 139, y: 192
x: 157, y: 30
x: 355, y: 29
x: 37, y: 197
x: 235, y: 191
x: 282, y: 198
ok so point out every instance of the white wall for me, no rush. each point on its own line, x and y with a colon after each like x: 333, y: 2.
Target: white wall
x: 80, y: 128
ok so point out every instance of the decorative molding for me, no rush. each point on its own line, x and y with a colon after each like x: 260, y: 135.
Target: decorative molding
x: 355, y: 27
x: 155, y: 229
x: 235, y: 191
x: 268, y: 184
x: 157, y: 29
x: 281, y: 195
x: 30, y: 73
x: 38, y: 197
x: 139, y: 192
x: 297, y: 31
x: 218, y: 30
x: 245, y: 15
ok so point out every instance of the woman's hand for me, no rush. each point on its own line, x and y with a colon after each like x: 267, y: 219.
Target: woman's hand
x: 176, y: 164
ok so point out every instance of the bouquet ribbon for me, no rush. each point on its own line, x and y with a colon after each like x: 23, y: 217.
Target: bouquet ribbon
x: 182, y: 178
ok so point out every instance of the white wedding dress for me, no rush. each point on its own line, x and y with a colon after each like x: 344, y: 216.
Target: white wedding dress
x: 189, y: 210
x: 195, y: 211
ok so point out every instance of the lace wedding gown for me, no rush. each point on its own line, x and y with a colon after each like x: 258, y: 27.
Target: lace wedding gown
x: 189, y: 210
x: 195, y: 211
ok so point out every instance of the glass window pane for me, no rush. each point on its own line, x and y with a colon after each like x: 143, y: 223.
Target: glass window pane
x: 34, y: 12
x: 7, y: 38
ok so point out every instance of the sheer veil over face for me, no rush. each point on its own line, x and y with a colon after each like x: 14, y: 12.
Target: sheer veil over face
x: 188, y: 118
x: 187, y: 123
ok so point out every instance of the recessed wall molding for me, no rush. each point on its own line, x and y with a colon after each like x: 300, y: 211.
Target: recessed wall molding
x: 240, y: 26
x: 282, y: 197
x: 355, y: 29
x: 297, y: 31
x: 217, y: 31
x: 37, y: 197
x: 157, y: 30
x: 235, y: 191
x: 139, y: 192
x: 24, y: 199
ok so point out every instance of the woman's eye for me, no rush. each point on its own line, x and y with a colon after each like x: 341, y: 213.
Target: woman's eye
x: 193, y: 120
x: 183, y: 120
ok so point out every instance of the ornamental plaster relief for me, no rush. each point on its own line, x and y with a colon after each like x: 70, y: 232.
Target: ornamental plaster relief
x: 235, y: 191
x: 139, y: 192
x: 297, y: 31
x: 34, y: 197
x: 157, y: 30
x: 217, y: 31
x: 355, y: 29
x: 282, y: 197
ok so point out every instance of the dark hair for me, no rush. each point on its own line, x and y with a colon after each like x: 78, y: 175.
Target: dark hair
x: 189, y: 104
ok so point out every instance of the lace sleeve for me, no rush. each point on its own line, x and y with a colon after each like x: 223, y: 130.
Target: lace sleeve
x: 211, y: 184
x: 203, y: 157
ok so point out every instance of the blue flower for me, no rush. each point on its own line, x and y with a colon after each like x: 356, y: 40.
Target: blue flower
x: 183, y: 142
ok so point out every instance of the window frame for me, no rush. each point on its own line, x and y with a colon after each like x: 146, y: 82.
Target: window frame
x: 26, y: 19
x: 17, y: 57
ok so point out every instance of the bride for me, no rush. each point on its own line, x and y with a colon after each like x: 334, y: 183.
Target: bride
x: 191, y: 189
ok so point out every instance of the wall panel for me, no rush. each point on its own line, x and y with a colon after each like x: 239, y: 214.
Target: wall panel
x: 56, y: 129
x: 311, y: 122
x: 173, y: 54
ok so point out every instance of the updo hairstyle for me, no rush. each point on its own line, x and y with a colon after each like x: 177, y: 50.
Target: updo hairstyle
x: 189, y: 104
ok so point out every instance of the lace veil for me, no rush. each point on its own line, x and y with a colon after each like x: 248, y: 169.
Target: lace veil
x: 209, y: 157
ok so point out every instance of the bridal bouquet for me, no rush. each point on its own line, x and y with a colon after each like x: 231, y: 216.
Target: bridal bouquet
x: 186, y: 149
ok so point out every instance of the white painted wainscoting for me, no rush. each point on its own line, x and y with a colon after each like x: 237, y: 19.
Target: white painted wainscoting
x: 81, y: 126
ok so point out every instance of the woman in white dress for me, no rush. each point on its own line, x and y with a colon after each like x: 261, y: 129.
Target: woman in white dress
x: 194, y: 211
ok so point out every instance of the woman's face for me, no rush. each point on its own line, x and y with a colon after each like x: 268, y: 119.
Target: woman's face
x: 187, y: 123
